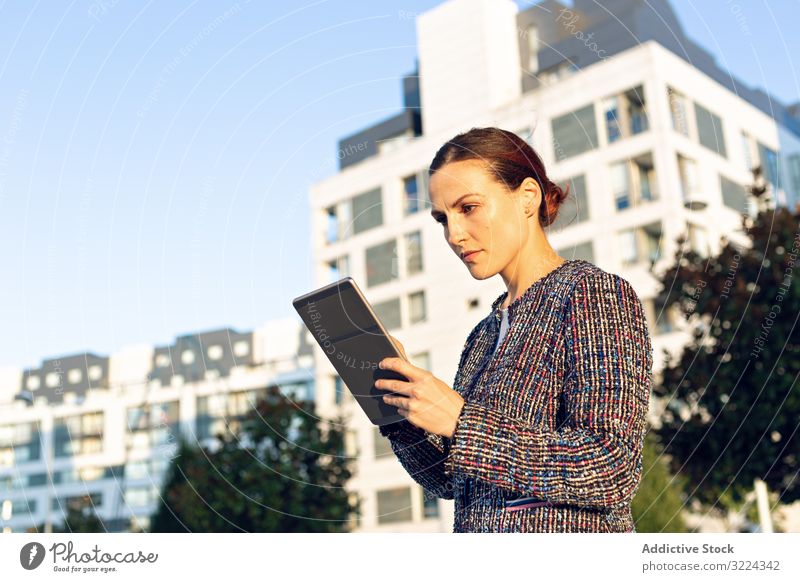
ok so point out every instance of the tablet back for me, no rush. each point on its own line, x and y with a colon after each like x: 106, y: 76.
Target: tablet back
x: 351, y: 335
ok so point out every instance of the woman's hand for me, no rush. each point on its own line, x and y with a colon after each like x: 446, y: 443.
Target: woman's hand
x: 426, y: 401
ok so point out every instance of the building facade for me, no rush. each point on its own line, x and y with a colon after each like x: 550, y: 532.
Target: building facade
x: 653, y: 138
x: 100, y: 431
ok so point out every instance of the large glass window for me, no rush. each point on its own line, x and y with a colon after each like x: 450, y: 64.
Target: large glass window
x: 413, y: 252
x: 412, y: 202
x: 734, y: 195
x: 19, y: 443
x: 381, y: 263
x: 76, y: 435
x: 394, y: 505
x: 640, y: 244
x: 152, y: 424
x: 625, y: 114
x: 416, y: 307
x: 389, y: 313
x: 218, y: 413
x: 367, y: 211
x: 574, y: 133
x: 709, y: 130
x: 633, y: 181
x: 620, y: 185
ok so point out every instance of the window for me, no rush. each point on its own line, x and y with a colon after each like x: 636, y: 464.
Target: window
x: 660, y: 319
x: 19, y: 443
x: 187, y: 357
x: 338, y: 268
x: 583, y: 251
x: 394, y: 505
x: 140, y: 496
x: 413, y: 253
x: 678, y: 109
x: 95, y: 372
x: 416, y: 307
x: 163, y: 361
x: 389, y: 313
x: 75, y: 375
x: 611, y: 108
x: 33, y: 382
x: 52, y: 379
x: 532, y: 32
x: 640, y: 244
x: 421, y: 360
x: 748, y: 148
x: 575, y: 208
x: 793, y: 164
x: 241, y: 349
x: 381, y: 263
x: 332, y: 230
x: 215, y: 352
x: 625, y: 114
x: 690, y: 183
x: 709, y: 130
x: 769, y: 165
x: 734, y: 195
x: 620, y: 185
x: 340, y: 391
x: 218, y: 411
x: 633, y: 181
x: 637, y: 115
x: 430, y: 505
x: 383, y: 446
x: 78, y: 435
x: 367, y: 211
x: 574, y: 133
x: 411, y: 199
x: 627, y: 246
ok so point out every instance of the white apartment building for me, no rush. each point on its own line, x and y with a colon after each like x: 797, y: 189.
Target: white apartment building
x: 101, y: 431
x: 654, y: 139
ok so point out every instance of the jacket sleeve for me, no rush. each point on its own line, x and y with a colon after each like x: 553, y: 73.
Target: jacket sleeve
x: 594, y: 458
x: 422, y: 454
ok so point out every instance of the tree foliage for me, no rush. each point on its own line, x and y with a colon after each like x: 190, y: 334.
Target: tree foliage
x: 275, y: 470
x: 732, y: 397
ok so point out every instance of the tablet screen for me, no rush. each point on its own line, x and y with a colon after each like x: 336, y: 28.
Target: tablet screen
x: 346, y: 328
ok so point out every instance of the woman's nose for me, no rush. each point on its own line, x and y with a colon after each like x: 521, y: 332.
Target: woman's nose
x: 455, y: 233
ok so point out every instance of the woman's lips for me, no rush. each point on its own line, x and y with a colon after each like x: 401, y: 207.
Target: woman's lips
x: 471, y: 256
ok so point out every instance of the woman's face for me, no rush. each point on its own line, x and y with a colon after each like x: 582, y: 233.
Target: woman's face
x: 477, y: 213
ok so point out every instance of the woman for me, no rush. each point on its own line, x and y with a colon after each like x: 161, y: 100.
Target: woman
x: 543, y: 428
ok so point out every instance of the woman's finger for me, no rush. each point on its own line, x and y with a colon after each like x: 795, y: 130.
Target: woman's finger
x: 400, y: 365
x: 394, y: 386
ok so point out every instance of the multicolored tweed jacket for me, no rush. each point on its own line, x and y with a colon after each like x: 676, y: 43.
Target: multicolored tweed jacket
x: 554, y: 419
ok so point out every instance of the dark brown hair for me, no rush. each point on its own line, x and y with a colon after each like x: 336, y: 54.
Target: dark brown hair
x: 509, y: 158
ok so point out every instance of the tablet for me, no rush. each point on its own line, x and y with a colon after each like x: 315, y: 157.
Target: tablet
x: 345, y: 326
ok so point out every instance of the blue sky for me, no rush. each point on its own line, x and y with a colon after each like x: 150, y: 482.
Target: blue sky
x: 155, y: 157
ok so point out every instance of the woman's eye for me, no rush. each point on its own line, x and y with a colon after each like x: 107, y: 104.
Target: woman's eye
x: 468, y: 206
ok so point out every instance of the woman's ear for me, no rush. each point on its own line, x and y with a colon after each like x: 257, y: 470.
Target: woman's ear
x: 531, y: 195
